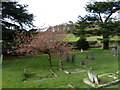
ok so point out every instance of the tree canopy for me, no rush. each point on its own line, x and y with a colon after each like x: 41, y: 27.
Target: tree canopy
x: 14, y: 14
x: 100, y: 20
x: 106, y: 8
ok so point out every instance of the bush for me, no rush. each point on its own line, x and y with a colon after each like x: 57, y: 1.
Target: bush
x: 82, y: 44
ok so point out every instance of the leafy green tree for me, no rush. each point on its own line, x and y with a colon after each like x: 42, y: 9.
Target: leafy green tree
x: 107, y: 24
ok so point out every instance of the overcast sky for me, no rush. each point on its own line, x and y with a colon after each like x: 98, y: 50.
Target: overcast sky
x: 54, y: 12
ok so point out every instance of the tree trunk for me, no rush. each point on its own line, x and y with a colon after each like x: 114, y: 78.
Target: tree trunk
x: 106, y: 42
x: 49, y: 59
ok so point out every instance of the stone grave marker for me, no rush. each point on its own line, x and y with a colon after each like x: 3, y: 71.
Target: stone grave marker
x: 87, y: 57
x: 92, y: 57
x: 93, y: 77
x: 68, y: 58
x: 60, y: 65
x: 73, y: 59
x: 118, y: 50
x: 113, y: 51
x: 81, y: 50
x: 97, y: 81
x: 65, y: 56
x: 1, y: 58
x: 82, y: 62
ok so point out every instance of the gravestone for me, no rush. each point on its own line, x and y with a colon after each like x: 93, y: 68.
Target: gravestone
x: 73, y: 59
x: 99, y: 82
x: 65, y: 56
x: 92, y: 57
x: 93, y: 77
x: 1, y: 58
x: 82, y: 62
x: 113, y: 51
x: 87, y: 57
x: 81, y: 50
x: 118, y: 50
x: 60, y: 65
x: 68, y: 58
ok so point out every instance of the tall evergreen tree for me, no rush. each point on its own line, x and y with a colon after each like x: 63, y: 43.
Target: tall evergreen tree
x: 14, y: 16
x: 107, y: 23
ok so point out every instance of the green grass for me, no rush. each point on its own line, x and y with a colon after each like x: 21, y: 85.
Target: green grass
x: 92, y: 38
x: 72, y: 37
x: 105, y: 79
x: 39, y: 75
x: 0, y: 77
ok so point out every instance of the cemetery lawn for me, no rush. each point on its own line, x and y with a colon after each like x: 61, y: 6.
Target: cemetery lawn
x: 73, y: 38
x: 38, y: 74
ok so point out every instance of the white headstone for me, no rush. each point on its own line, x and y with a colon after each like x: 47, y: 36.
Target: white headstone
x: 81, y: 50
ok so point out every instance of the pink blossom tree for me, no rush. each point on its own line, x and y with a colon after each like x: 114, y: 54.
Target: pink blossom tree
x: 49, y: 42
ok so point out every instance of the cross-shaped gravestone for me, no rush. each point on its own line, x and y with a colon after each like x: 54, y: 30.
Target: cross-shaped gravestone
x: 73, y: 59
x: 113, y: 51
x: 87, y: 57
x: 92, y: 57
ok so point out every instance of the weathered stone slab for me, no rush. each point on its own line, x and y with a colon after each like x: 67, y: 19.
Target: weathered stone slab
x: 93, y: 77
x: 92, y: 83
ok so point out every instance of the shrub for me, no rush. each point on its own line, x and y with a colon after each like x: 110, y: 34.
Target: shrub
x: 82, y: 44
